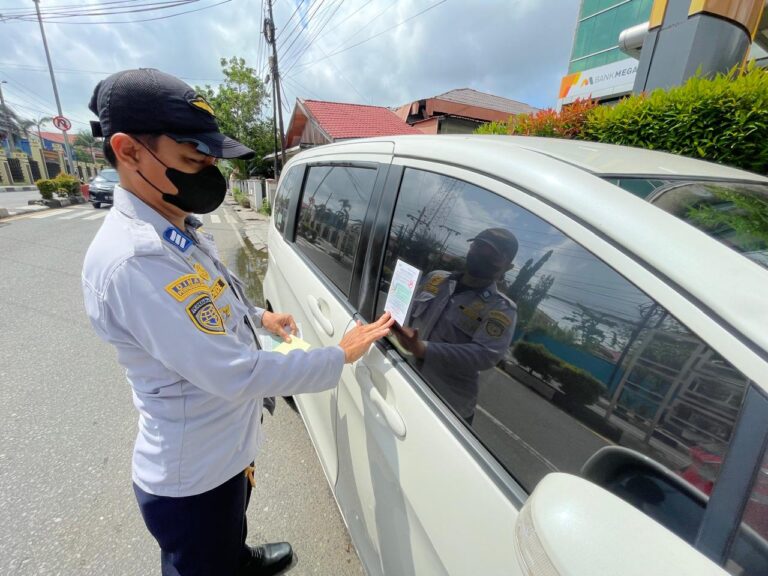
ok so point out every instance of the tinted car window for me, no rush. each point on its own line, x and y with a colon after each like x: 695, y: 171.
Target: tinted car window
x: 551, y: 357
x: 289, y: 186
x: 734, y: 213
x: 333, y: 205
x: 749, y: 551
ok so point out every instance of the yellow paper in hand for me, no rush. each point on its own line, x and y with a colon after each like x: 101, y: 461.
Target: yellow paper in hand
x: 296, y: 343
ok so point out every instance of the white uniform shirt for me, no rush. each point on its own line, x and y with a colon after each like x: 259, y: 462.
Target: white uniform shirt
x: 162, y: 298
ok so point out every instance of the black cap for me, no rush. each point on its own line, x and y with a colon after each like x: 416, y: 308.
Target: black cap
x: 147, y: 101
x: 501, y: 239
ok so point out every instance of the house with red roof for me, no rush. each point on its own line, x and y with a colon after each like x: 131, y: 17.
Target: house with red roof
x: 315, y: 122
x: 459, y: 111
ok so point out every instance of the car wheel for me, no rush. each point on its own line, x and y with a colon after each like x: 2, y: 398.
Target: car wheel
x: 96, y: 205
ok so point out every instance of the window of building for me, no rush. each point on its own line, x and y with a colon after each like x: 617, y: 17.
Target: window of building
x: 289, y: 186
x: 333, y: 206
x: 550, y: 356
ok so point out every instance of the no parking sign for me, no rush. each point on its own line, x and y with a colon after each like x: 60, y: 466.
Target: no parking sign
x: 62, y: 123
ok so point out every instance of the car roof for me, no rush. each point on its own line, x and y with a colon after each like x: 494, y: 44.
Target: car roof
x: 565, y: 174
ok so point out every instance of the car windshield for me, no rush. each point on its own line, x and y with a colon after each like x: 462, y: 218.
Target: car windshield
x: 734, y: 213
x: 109, y: 175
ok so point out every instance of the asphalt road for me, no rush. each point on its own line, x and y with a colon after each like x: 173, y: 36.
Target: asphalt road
x: 13, y: 200
x: 67, y: 426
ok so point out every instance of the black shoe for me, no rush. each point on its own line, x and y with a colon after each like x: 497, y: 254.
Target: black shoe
x: 269, y: 560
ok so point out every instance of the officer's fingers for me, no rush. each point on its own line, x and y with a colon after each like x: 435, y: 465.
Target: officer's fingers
x: 292, y: 322
x: 283, y: 334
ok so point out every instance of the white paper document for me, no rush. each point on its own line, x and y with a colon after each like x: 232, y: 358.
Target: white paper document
x: 401, y: 291
x: 268, y: 341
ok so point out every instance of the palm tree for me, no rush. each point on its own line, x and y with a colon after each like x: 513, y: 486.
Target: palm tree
x: 85, y: 139
x: 39, y: 122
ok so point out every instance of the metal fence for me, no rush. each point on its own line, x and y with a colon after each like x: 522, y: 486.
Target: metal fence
x: 256, y: 190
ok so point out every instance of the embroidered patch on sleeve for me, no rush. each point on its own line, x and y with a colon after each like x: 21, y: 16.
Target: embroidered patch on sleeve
x: 226, y: 312
x: 185, y: 285
x: 205, y: 316
x: 202, y: 272
x: 217, y: 288
x: 497, y: 323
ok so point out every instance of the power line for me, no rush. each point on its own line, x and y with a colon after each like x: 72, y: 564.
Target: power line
x: 318, y: 5
x: 33, y: 68
x: 285, y: 25
x: 297, y: 55
x: 181, y: 2
x: 375, y: 35
x: 57, y: 12
x: 296, y: 27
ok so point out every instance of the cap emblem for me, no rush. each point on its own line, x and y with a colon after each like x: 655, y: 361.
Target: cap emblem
x: 200, y: 103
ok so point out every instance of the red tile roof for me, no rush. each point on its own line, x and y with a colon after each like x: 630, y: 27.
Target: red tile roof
x: 356, y: 120
x: 56, y: 137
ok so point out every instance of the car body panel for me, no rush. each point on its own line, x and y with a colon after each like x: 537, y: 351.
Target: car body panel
x: 419, y: 493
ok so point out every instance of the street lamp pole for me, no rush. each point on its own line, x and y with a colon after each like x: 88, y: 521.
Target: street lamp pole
x: 55, y: 89
x: 7, y: 120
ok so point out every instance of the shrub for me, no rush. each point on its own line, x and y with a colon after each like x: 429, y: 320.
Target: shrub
x: 66, y: 185
x: 579, y: 386
x: 536, y: 357
x: 568, y: 123
x: 722, y: 119
x: 46, y: 188
x: 266, y: 207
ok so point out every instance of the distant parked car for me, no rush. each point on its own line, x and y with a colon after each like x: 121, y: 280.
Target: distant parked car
x: 102, y: 187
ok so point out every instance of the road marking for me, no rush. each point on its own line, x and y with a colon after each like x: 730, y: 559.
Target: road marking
x: 535, y: 453
x: 215, y: 219
x: 97, y: 215
x: 50, y: 213
x: 75, y: 214
x: 229, y: 218
x: 28, y: 209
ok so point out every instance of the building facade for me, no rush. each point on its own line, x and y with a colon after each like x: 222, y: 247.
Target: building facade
x: 598, y: 69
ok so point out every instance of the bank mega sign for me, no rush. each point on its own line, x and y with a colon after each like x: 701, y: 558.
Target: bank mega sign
x: 601, y: 82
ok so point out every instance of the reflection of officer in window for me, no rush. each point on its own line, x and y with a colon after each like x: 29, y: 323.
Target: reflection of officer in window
x: 460, y: 323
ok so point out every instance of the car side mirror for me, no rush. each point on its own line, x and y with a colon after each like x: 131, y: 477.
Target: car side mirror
x: 572, y: 527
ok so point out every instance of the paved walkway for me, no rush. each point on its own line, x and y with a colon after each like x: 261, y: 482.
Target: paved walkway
x: 254, y: 225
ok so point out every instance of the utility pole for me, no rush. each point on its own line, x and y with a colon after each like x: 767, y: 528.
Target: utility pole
x: 274, y: 121
x: 269, y: 34
x: 67, y: 149
x: 6, y: 118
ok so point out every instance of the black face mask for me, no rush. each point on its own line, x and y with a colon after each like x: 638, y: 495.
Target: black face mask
x: 199, y: 192
x: 480, y: 267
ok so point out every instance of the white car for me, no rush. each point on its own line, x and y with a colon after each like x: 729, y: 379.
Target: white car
x: 580, y: 385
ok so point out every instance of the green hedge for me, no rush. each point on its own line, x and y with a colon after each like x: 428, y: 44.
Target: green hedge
x: 722, y: 119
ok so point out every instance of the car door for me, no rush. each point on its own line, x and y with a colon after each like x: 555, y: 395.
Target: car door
x: 322, y: 219
x: 430, y: 480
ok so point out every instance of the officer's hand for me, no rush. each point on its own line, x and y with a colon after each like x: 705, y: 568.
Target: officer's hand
x: 279, y: 324
x: 409, y: 339
x: 357, y: 341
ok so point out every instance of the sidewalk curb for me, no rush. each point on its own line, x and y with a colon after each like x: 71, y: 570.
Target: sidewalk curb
x: 18, y: 188
x: 254, y: 228
x: 5, y: 213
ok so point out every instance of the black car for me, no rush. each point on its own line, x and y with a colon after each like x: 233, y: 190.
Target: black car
x: 102, y: 187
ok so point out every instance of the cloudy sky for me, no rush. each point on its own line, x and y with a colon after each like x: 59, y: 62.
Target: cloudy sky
x: 382, y: 52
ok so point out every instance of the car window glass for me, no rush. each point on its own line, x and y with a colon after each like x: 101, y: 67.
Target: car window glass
x: 333, y: 205
x: 554, y: 360
x: 110, y: 175
x: 749, y: 551
x: 289, y: 185
x: 734, y: 213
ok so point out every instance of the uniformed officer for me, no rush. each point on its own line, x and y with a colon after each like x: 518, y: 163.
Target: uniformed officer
x: 460, y: 323
x: 155, y: 288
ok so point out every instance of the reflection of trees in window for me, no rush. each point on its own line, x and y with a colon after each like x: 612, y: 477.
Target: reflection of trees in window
x: 731, y: 213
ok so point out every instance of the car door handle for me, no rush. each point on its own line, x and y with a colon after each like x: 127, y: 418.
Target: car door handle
x: 391, y: 416
x: 316, y: 306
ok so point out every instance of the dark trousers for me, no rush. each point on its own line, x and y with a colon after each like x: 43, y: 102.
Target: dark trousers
x: 201, y: 535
